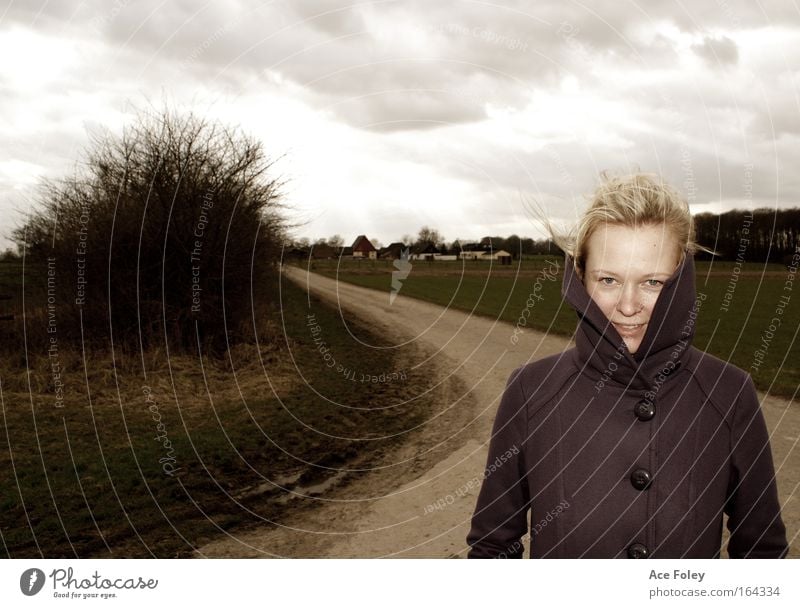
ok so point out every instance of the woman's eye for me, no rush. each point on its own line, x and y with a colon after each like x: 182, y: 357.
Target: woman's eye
x: 654, y: 283
x: 606, y: 280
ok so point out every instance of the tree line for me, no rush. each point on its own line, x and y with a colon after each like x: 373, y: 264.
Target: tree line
x: 761, y: 235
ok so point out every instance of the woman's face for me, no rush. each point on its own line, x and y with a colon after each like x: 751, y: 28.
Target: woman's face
x: 625, y: 271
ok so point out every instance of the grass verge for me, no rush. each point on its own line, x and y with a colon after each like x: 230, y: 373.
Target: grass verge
x: 155, y: 454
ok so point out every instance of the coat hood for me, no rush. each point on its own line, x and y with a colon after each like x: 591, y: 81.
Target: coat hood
x: 602, y: 352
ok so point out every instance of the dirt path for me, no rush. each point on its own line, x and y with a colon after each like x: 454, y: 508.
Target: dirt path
x: 418, y: 501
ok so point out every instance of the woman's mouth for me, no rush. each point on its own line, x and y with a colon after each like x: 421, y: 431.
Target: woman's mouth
x: 626, y: 329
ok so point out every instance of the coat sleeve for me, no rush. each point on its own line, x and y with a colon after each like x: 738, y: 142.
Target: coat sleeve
x: 753, y: 509
x: 500, y: 517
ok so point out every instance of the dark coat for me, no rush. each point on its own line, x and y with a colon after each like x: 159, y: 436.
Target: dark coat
x: 621, y: 455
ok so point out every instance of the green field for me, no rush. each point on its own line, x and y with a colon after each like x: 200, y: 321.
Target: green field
x: 734, y: 334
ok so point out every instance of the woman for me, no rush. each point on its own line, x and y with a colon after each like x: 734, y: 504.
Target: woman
x: 634, y: 443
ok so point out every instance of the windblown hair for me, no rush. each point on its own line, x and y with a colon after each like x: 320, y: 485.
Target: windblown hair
x: 635, y: 200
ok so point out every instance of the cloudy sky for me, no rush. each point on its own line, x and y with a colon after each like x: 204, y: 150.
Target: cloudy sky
x: 398, y: 113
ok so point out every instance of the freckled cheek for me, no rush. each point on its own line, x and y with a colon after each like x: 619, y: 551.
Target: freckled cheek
x: 649, y: 300
x: 606, y: 302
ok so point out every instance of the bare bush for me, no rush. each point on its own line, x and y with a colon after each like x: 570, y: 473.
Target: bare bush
x: 169, y: 232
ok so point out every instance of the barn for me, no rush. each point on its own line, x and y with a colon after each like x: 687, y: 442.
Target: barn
x: 362, y: 248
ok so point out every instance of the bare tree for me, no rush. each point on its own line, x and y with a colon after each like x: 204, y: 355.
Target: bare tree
x: 428, y: 235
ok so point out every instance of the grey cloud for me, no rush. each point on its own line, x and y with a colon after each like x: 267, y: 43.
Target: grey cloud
x: 717, y: 51
x: 407, y: 109
x: 471, y: 54
x: 328, y: 47
x: 331, y: 17
x: 777, y: 117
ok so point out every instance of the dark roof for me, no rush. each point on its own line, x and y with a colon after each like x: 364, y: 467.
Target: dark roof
x: 424, y: 248
x: 362, y: 244
x: 394, y: 250
x: 474, y: 247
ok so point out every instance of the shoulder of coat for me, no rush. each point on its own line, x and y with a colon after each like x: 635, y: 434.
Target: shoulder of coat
x: 721, y: 382
x: 541, y: 380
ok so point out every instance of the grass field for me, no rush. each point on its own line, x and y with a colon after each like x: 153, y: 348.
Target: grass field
x: 135, y: 465
x: 733, y: 332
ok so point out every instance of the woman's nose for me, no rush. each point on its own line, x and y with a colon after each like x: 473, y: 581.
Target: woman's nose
x: 629, y: 303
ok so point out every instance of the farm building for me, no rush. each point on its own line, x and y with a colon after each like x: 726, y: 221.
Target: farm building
x: 473, y: 255
x: 504, y: 257
x: 393, y: 251
x: 424, y: 251
x: 431, y: 254
x: 362, y: 248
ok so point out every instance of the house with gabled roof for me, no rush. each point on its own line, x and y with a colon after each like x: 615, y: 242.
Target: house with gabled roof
x: 363, y: 248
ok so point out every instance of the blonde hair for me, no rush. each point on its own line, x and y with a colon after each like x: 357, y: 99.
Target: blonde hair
x: 635, y: 200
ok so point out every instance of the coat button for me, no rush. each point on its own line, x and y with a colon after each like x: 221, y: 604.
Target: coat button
x: 641, y: 479
x: 637, y: 551
x: 645, y: 410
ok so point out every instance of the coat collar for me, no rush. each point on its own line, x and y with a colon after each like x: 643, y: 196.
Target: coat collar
x: 601, y: 351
